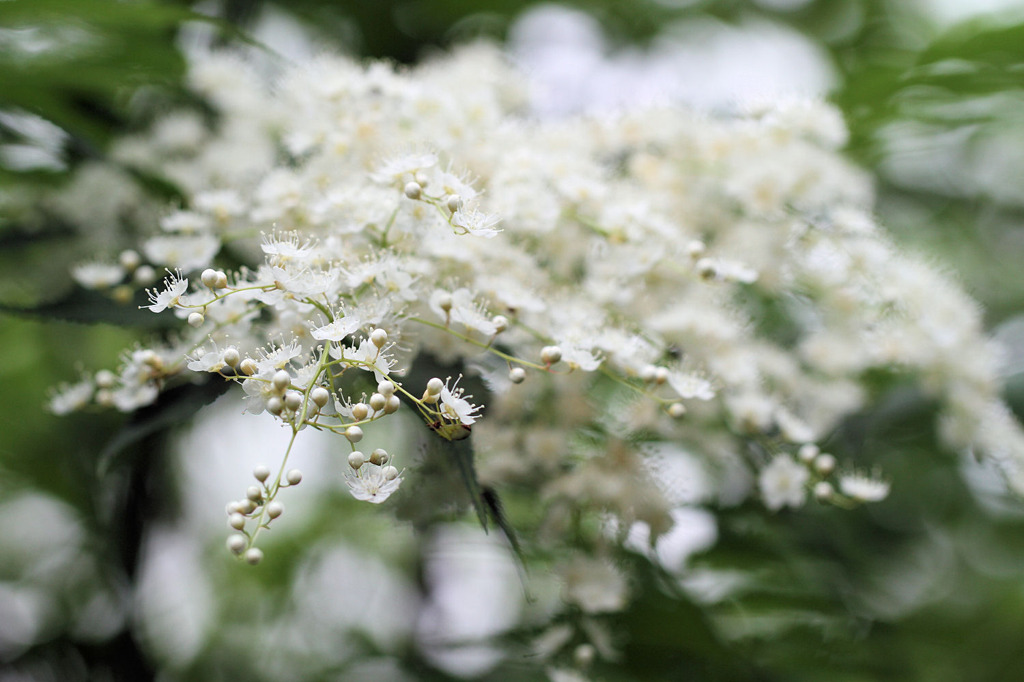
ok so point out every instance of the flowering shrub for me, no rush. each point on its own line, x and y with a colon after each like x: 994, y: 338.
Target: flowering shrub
x: 622, y: 293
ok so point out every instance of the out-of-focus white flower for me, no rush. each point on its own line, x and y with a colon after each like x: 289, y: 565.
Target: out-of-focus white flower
x: 783, y: 483
x: 863, y: 488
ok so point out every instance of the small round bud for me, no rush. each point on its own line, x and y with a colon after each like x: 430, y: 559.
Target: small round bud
x: 275, y: 509
x: 500, y: 323
x: 209, y: 278
x: 360, y: 411
x: 583, y: 655
x: 236, y: 521
x: 453, y: 202
x: 676, y: 410
x: 123, y: 294
x: 105, y: 378
x: 356, y: 459
x: 390, y: 473
x: 254, y: 493
x: 517, y: 375
x: 434, y: 386
x: 696, y: 249
x: 413, y: 190
x: 550, y: 355
x: 129, y: 260
x: 706, y: 268
x: 354, y: 434
x: 144, y: 274
x: 246, y: 506
x: 236, y: 543
x: 253, y: 555
x: 282, y: 379
x: 648, y: 373
x: 293, y: 400
x: 379, y: 456
x: 823, y: 490
x: 392, y: 405
x: 222, y: 281
x: 386, y: 388
x: 231, y: 357
x: 294, y: 477
x: 660, y: 375
x: 824, y: 464
x: 196, y: 319
x: 233, y: 508
x: 320, y: 396
x: 378, y: 337
x: 261, y: 473
x: 807, y: 452
x: 444, y: 302
x: 377, y: 402
x: 275, y: 405
x: 248, y: 367
x: 422, y: 178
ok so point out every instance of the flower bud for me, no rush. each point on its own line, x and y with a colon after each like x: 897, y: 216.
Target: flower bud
x: 254, y: 493
x: 550, y: 355
x: 236, y: 543
x: 354, y: 434
x: 807, y: 452
x: 320, y: 396
x: 390, y: 473
x: 444, y: 302
x: 261, y: 473
x: 129, y: 260
x: 676, y: 410
x: 413, y: 190
x: 248, y: 367
x: 209, y: 278
x: 377, y: 402
x: 275, y: 509
x: 275, y: 405
x: 253, y: 555
x: 236, y: 521
x: 379, y: 337
x: 500, y: 323
x: 294, y: 477
x: 517, y: 375
x: 453, y: 202
x: 293, y: 400
x: 823, y: 490
x: 360, y: 411
x: 392, y: 405
x: 379, y: 456
x: 282, y: 379
x: 231, y: 357
x: 356, y: 459
x: 434, y: 386
x: 824, y: 464
x: 386, y: 388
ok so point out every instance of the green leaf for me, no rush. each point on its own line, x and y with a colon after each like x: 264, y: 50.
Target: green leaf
x: 86, y: 306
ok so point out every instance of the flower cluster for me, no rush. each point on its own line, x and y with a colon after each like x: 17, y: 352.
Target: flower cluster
x: 621, y: 284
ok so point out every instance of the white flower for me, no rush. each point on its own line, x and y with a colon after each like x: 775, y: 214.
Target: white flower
x: 367, y: 357
x: 71, y: 397
x: 96, y: 275
x: 175, y: 287
x: 370, y: 484
x: 338, y: 329
x: 187, y: 252
x: 472, y: 221
x: 783, y: 483
x: 456, y: 408
x: 690, y: 386
x: 863, y: 488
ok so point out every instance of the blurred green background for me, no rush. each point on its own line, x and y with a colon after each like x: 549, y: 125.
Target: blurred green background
x: 926, y: 586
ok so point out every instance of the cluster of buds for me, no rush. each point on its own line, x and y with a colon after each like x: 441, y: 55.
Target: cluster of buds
x: 256, y: 511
